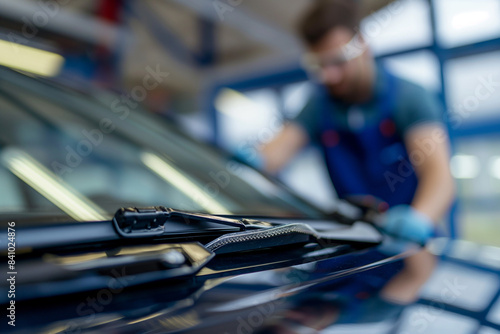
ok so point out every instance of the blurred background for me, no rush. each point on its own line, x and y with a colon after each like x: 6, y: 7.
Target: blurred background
x: 234, y: 73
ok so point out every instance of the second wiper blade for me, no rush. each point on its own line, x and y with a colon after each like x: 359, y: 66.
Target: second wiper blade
x: 150, y: 221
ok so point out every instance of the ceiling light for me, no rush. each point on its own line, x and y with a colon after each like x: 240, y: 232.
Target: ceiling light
x: 495, y: 167
x: 465, y: 166
x: 26, y: 58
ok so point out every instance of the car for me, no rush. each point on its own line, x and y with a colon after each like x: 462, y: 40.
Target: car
x: 115, y: 220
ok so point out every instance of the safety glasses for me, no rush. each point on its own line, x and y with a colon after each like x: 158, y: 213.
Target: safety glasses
x: 315, y: 63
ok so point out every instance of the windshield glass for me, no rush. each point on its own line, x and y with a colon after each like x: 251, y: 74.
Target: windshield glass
x: 84, y: 156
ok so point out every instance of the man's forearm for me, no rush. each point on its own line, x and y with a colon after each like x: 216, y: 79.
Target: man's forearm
x: 283, y: 147
x: 436, y: 187
x: 434, y: 194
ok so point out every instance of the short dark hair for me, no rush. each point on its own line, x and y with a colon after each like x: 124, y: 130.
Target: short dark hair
x: 326, y: 15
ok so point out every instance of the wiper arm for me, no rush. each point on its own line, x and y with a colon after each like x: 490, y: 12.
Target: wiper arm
x: 150, y: 221
x: 251, y: 234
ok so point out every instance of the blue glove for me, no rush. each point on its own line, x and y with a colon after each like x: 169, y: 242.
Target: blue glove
x: 250, y: 156
x: 405, y: 222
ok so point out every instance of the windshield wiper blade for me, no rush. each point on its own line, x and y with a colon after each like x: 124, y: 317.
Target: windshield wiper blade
x: 246, y: 234
x: 250, y: 234
x: 151, y: 221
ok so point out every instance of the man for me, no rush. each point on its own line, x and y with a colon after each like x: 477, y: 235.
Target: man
x: 381, y: 135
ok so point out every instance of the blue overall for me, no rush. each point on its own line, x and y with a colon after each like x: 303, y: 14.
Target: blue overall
x: 365, y: 161
x: 373, y: 159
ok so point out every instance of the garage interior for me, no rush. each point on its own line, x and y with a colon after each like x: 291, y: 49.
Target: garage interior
x: 234, y: 75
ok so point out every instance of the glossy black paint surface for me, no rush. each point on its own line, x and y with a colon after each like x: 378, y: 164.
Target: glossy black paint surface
x: 227, y: 288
